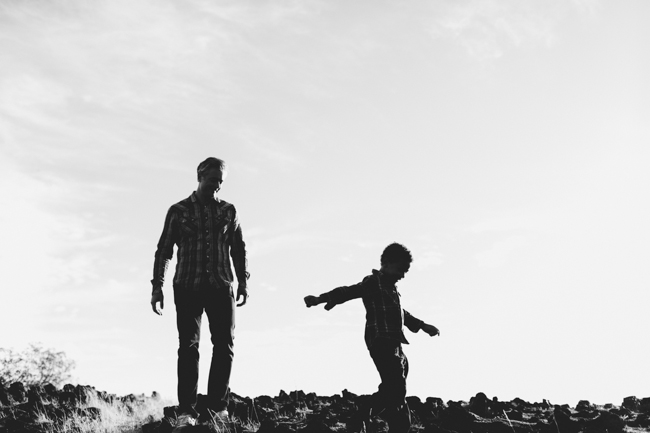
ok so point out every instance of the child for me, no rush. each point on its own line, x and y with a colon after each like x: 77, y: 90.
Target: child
x: 384, y: 334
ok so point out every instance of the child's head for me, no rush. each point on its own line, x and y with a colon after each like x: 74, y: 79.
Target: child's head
x: 395, y: 261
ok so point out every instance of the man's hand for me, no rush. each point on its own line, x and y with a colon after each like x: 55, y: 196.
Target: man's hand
x: 156, y: 297
x: 311, y: 301
x: 242, y: 292
x: 431, y: 330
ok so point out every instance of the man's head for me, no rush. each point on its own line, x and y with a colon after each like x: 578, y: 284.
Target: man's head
x: 210, y: 174
x: 395, y: 261
x: 210, y: 164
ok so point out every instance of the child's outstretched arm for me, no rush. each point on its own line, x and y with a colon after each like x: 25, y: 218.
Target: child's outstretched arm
x: 337, y: 296
x: 311, y: 301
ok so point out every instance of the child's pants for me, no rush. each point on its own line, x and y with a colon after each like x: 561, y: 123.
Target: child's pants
x: 390, y: 399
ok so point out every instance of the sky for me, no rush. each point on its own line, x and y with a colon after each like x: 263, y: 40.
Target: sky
x: 504, y: 142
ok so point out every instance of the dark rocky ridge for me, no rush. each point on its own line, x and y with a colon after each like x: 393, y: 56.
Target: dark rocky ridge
x: 308, y: 413
x: 298, y: 412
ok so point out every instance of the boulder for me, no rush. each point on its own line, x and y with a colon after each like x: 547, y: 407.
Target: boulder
x: 480, y: 405
x: 584, y: 405
x: 606, y: 422
x: 4, y: 396
x: 18, y: 392
x: 631, y: 403
x: 644, y: 405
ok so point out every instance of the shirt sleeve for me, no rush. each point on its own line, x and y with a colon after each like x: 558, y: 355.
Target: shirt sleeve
x: 165, y: 249
x: 412, y: 323
x: 238, y: 251
x: 345, y: 293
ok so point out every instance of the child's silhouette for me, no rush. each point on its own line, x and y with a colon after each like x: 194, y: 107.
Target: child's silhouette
x: 384, y: 334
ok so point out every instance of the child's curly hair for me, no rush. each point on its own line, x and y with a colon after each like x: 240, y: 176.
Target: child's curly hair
x: 395, y: 253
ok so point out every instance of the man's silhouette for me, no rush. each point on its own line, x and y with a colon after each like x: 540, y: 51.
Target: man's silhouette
x: 207, y: 235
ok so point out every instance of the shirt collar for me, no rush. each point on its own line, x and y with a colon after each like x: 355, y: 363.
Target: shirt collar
x: 195, y: 198
x: 384, y: 282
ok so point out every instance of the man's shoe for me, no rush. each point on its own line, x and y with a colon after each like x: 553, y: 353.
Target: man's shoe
x: 212, y: 417
x: 182, y: 421
x: 222, y: 415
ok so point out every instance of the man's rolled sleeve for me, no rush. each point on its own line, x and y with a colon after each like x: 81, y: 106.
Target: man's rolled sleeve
x: 238, y: 253
x: 164, y: 251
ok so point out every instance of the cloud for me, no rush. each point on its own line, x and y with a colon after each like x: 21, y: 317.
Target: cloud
x: 427, y: 260
x: 500, y: 252
x: 487, y: 29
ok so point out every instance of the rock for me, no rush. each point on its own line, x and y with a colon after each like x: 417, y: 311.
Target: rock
x: 51, y: 390
x: 316, y: 426
x: 162, y: 426
x: 480, y: 405
x: 631, y: 403
x: 269, y: 426
x: 296, y: 396
x: 17, y: 392
x: 562, y: 418
x: 265, y: 401
x: 584, y: 405
x: 644, y: 405
x: 640, y: 421
x: 283, y: 398
x: 606, y: 422
x: 514, y: 415
x: 4, y: 396
x: 171, y: 412
x: 520, y: 404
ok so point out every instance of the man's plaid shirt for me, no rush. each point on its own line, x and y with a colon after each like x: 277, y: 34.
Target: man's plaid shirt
x: 206, y: 235
x: 384, y: 314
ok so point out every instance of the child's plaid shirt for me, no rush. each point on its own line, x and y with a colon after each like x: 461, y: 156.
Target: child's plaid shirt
x: 385, y: 317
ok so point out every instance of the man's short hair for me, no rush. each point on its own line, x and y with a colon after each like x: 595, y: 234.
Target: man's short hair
x: 395, y: 253
x: 210, y: 164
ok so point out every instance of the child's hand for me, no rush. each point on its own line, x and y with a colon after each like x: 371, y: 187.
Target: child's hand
x: 431, y: 330
x: 311, y: 301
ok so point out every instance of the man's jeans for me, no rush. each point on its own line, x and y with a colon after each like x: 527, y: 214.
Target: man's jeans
x: 390, y: 399
x: 219, y: 305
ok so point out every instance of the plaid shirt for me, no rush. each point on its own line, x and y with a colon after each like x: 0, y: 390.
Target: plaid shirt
x: 206, y: 236
x: 384, y: 314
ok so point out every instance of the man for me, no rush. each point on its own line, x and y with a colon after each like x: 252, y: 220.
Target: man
x: 207, y: 234
x: 384, y: 335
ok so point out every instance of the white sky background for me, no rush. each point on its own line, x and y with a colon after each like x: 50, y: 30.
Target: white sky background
x: 504, y: 142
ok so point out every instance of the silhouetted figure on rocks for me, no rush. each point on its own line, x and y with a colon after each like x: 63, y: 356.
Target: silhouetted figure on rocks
x: 207, y: 234
x: 384, y: 333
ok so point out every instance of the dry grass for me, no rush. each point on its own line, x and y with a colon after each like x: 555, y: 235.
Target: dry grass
x: 116, y: 417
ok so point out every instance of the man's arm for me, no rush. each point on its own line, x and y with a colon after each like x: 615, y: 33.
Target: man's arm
x: 414, y: 325
x: 163, y: 255
x: 240, y: 261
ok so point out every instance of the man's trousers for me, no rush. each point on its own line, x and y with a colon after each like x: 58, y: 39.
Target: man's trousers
x: 219, y: 306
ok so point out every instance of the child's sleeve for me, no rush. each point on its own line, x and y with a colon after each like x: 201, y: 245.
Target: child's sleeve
x: 412, y: 323
x: 345, y: 293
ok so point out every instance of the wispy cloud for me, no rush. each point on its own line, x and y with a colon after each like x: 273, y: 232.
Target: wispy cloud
x: 499, y: 254
x: 427, y: 260
x: 487, y: 29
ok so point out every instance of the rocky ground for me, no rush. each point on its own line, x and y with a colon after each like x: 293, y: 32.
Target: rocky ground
x: 37, y: 409
x: 298, y: 412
